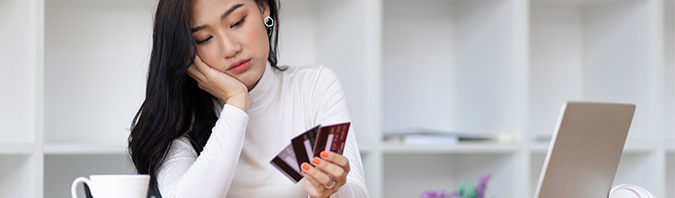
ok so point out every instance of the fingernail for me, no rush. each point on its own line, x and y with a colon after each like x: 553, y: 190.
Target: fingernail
x: 305, y: 166
x: 316, y: 161
x: 324, y: 154
x: 304, y: 172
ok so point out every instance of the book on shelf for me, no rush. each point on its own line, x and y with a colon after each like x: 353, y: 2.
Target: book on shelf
x: 432, y: 136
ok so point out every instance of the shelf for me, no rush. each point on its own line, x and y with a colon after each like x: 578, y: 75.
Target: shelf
x: 85, y: 149
x: 462, y: 65
x: 629, y: 148
x: 461, y: 148
x: 16, y: 148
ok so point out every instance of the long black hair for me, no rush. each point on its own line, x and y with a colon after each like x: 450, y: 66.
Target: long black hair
x: 174, y: 104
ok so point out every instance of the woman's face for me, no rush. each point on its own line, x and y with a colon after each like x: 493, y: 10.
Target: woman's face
x: 231, y: 37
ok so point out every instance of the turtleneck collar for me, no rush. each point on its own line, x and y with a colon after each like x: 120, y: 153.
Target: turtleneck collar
x: 265, y: 90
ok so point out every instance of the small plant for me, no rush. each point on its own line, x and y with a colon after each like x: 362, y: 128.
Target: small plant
x: 464, y: 190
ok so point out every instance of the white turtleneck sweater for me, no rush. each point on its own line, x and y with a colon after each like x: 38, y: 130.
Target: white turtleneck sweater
x: 236, y: 159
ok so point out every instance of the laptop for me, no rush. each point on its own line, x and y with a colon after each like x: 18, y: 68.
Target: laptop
x: 585, y: 150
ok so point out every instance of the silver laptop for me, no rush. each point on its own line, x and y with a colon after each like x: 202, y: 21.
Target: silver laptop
x: 585, y: 150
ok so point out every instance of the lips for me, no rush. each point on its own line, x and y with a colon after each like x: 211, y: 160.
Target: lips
x: 239, y: 66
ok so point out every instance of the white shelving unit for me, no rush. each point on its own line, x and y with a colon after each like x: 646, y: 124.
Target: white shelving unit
x: 72, y: 75
x: 456, y: 66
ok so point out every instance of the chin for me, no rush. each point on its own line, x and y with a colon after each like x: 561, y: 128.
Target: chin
x: 251, y: 77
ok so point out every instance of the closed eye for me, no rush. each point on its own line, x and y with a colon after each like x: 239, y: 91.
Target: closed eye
x: 204, y: 40
x: 238, y: 22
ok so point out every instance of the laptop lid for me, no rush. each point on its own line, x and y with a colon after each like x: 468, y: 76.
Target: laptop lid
x: 585, y: 150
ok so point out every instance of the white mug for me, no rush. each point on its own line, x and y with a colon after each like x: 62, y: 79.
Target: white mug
x: 629, y: 191
x: 108, y: 186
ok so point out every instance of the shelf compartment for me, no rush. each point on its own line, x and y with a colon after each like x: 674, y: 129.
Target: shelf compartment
x: 408, y: 175
x: 95, y: 74
x: 16, y: 174
x: 61, y: 170
x: 594, y: 51
x: 449, y: 65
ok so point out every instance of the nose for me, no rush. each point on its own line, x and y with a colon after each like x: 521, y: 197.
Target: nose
x: 229, y: 46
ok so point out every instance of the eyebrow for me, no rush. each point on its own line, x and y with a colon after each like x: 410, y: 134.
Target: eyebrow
x: 228, y: 12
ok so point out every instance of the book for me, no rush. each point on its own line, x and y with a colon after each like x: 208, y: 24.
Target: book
x: 430, y: 136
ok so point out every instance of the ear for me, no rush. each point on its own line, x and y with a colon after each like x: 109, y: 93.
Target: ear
x: 264, y: 8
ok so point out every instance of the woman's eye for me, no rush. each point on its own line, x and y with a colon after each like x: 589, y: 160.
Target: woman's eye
x: 204, y: 40
x: 238, y: 22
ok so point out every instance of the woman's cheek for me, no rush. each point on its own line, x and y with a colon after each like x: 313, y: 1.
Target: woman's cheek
x: 209, y: 54
x: 256, y: 38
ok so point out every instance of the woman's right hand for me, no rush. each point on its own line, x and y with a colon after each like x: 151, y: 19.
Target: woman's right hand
x: 219, y: 84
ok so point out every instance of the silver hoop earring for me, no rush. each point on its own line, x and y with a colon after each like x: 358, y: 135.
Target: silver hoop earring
x: 269, y: 22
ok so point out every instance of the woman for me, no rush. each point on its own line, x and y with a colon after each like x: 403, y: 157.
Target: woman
x: 218, y: 108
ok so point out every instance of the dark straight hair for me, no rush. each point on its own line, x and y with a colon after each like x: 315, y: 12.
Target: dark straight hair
x: 174, y: 104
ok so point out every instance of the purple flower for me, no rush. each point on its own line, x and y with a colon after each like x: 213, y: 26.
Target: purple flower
x: 482, y: 185
x: 464, y: 190
x: 455, y: 195
x: 434, y: 194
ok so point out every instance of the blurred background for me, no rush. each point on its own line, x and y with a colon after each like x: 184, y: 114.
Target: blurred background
x: 421, y: 78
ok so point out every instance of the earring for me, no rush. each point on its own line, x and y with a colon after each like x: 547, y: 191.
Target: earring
x: 269, y: 22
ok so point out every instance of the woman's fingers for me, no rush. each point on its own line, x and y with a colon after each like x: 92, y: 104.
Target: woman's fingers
x: 337, y: 159
x: 317, y: 189
x: 335, y: 172
x: 200, y: 65
x: 328, y: 175
x: 195, y: 73
x: 317, y: 175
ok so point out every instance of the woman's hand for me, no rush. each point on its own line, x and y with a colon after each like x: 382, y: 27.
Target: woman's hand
x: 219, y: 84
x: 327, y: 176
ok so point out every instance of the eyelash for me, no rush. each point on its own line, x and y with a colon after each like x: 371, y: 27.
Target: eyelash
x: 238, y: 23
x: 205, y: 40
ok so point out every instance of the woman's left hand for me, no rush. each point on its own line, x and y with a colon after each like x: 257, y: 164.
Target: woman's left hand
x: 328, y: 174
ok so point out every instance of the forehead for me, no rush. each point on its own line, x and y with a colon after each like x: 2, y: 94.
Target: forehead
x: 202, y: 10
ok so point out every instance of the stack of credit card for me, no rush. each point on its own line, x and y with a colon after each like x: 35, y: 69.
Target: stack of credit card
x: 308, y: 145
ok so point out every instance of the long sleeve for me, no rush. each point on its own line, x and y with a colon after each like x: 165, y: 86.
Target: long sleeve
x: 185, y: 174
x: 332, y: 108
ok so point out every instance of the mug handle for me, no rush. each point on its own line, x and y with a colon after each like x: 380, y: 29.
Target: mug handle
x: 73, y: 187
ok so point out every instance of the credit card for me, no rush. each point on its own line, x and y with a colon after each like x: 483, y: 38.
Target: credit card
x: 303, y: 145
x: 308, y: 145
x: 331, y: 138
x: 286, y: 162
